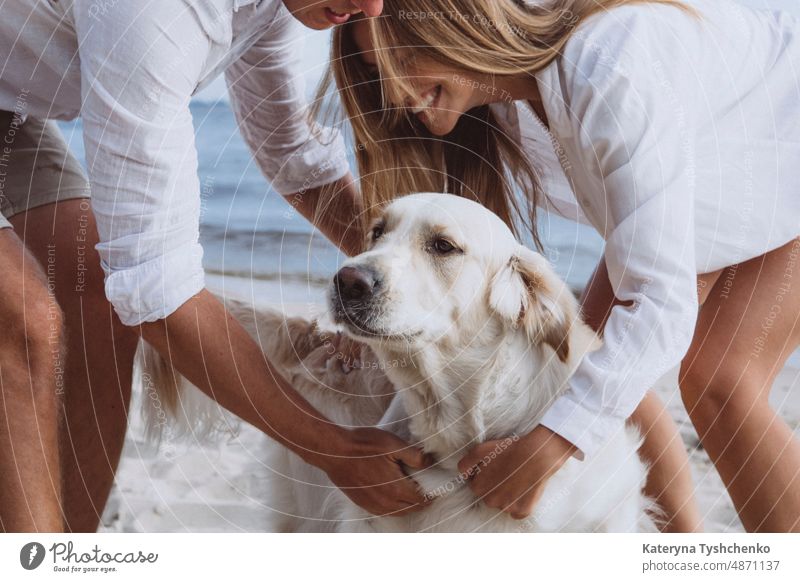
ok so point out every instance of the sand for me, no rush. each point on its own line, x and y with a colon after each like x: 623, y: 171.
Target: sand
x: 220, y: 485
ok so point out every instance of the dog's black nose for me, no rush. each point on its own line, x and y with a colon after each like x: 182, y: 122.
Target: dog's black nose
x: 355, y: 284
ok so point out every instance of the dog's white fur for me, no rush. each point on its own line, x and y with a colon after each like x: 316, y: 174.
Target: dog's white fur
x: 477, y: 343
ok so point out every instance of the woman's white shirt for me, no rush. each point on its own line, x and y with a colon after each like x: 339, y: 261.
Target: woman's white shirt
x: 679, y: 141
x: 129, y: 69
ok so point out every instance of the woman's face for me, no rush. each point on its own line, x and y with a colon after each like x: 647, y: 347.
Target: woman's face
x: 442, y: 95
x: 321, y: 14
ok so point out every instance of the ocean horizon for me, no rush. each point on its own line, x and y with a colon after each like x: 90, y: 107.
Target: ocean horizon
x: 249, y: 231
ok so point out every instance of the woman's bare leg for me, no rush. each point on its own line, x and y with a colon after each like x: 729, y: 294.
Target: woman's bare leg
x: 669, y: 480
x: 665, y: 451
x: 98, y: 367
x: 747, y: 328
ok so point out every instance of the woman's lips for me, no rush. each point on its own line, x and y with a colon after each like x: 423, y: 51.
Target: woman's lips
x: 335, y: 17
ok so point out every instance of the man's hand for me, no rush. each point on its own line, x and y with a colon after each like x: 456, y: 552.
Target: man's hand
x: 214, y: 352
x: 371, y: 472
x: 511, y: 474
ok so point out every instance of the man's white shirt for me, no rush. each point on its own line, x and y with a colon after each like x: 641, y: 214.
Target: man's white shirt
x: 129, y: 69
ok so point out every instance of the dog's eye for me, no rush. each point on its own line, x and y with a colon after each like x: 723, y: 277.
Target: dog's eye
x: 377, y: 231
x: 442, y: 246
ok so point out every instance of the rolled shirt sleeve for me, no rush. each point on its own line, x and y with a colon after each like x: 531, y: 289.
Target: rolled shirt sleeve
x: 139, y: 65
x: 267, y: 95
x: 633, y: 128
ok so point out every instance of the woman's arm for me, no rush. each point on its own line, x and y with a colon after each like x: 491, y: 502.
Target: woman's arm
x: 631, y: 116
x: 633, y: 111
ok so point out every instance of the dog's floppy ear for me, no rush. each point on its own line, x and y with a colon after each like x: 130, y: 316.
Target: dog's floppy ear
x: 527, y: 291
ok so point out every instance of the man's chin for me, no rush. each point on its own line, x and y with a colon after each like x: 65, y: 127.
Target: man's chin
x: 314, y: 20
x: 318, y: 25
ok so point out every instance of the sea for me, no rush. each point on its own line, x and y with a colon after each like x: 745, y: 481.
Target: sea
x: 256, y: 246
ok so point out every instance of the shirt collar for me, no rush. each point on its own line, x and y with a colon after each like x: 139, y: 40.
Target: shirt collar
x: 549, y: 82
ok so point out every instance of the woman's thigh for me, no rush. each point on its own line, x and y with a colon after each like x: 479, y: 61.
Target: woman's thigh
x: 746, y: 330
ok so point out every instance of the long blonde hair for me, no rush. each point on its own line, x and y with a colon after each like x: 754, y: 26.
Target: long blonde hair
x: 395, y: 152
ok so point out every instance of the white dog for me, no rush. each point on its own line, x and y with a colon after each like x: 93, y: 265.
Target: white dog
x: 476, y: 335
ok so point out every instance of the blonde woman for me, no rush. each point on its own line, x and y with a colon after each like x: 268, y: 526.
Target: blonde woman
x: 673, y: 129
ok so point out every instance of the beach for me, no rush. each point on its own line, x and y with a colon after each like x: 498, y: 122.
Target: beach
x: 258, y: 249
x: 221, y: 486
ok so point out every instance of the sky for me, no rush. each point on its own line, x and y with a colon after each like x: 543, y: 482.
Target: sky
x: 314, y: 46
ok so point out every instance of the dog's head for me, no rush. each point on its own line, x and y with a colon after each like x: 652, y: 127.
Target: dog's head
x: 443, y: 269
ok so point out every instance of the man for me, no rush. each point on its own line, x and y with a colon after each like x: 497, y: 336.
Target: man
x: 129, y: 70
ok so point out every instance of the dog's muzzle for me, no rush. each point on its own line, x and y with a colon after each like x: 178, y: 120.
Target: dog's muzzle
x: 355, y: 285
x: 354, y: 290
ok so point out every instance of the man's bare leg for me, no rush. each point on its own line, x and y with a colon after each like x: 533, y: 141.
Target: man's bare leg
x: 31, y: 348
x: 97, y: 380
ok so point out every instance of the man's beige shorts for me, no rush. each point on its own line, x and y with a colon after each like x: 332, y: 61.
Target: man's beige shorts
x: 36, y: 166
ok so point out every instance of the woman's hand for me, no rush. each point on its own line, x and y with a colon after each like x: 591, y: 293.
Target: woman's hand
x: 510, y: 474
x: 370, y: 472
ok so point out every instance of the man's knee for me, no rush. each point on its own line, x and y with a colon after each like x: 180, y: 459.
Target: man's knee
x: 33, y: 335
